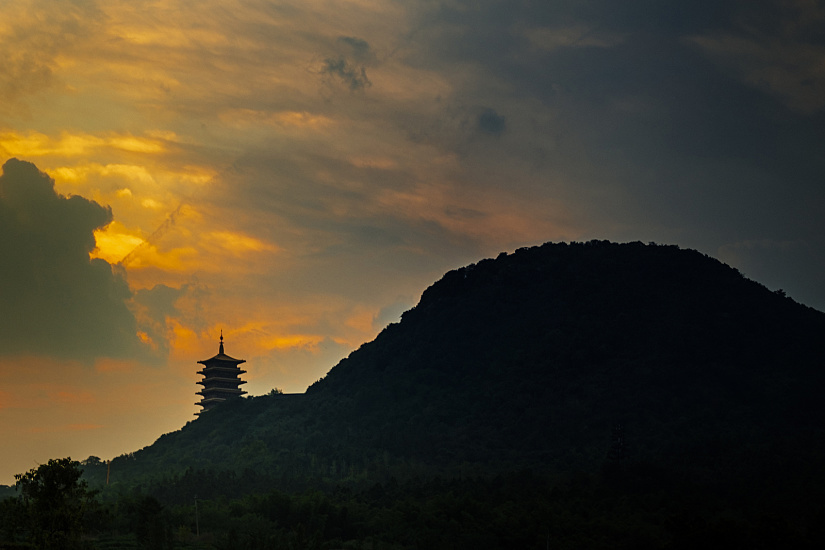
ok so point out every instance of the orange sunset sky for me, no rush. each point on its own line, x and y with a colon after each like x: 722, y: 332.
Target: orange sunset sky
x: 296, y: 173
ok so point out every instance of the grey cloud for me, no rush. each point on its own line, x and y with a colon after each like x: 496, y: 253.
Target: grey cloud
x: 462, y: 126
x: 490, y: 122
x: 353, y: 76
x: 20, y: 76
x: 360, y: 48
x: 337, y: 223
x: 778, y: 50
x: 155, y: 307
x: 54, y: 299
x: 351, y: 62
x: 43, y: 31
x: 320, y: 207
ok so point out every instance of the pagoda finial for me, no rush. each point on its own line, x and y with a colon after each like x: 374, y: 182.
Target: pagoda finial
x: 220, y: 350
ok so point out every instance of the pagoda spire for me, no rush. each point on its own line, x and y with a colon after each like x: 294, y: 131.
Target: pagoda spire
x: 220, y: 349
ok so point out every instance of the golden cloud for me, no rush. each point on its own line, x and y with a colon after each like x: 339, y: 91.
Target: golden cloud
x: 181, y: 259
x: 185, y: 343
x: 170, y: 36
x: 238, y: 243
x: 114, y: 243
x: 303, y: 341
x: 35, y: 144
x: 81, y: 173
x: 293, y: 119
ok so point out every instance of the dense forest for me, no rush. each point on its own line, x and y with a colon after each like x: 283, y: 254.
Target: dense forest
x: 594, y: 395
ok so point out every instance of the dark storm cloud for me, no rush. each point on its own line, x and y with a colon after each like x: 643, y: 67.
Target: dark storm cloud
x: 54, y: 299
x: 693, y: 122
x: 350, y: 64
x: 612, y: 74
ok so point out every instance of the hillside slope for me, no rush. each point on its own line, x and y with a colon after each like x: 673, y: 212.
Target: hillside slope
x: 538, y: 357
x: 557, y: 358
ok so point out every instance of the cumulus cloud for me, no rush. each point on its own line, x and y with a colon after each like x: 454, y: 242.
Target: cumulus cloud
x: 54, y: 299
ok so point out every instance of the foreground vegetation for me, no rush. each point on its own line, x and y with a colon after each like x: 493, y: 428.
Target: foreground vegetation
x: 623, y: 506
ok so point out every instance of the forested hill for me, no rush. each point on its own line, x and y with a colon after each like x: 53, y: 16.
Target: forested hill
x: 557, y: 358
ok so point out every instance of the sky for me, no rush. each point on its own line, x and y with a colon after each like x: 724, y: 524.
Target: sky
x: 296, y: 173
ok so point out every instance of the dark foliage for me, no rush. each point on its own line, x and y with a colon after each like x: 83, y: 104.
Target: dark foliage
x: 52, y: 508
x: 618, y: 508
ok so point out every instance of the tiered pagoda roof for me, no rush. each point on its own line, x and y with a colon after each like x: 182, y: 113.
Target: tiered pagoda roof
x: 221, y: 378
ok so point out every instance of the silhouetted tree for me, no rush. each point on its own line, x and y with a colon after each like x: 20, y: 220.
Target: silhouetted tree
x: 53, y: 499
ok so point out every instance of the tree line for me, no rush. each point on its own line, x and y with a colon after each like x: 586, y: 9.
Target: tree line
x: 622, y: 506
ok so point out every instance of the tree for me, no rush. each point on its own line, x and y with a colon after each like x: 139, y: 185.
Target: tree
x: 54, y: 500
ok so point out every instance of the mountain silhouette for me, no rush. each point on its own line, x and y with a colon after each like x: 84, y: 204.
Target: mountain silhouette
x: 560, y: 358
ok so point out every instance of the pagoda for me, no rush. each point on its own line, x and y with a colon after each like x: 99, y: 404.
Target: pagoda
x: 221, y: 378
